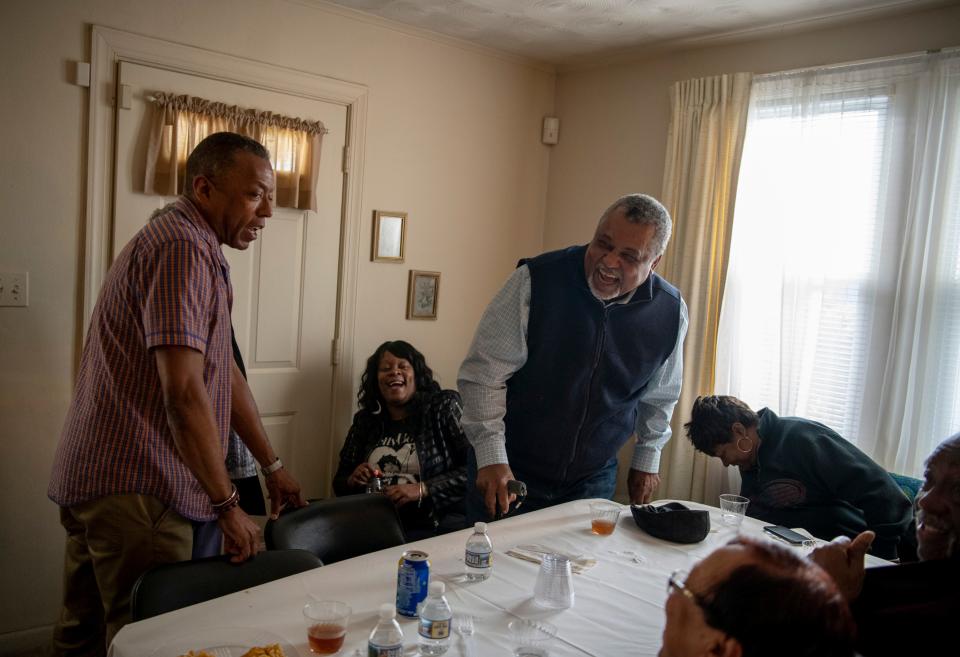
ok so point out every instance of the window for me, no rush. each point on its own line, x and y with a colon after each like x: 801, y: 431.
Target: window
x: 181, y: 122
x: 842, y: 297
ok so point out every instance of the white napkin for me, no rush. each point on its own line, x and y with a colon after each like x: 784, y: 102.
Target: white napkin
x: 534, y: 554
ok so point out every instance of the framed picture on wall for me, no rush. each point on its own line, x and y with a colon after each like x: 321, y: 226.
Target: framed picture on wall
x: 389, y: 235
x: 423, y: 290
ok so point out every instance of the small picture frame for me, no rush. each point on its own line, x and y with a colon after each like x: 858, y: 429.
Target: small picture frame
x: 423, y: 292
x: 389, y: 236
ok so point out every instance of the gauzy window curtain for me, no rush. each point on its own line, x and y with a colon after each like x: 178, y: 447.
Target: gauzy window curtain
x: 842, y: 299
x: 704, y: 144
x: 179, y: 123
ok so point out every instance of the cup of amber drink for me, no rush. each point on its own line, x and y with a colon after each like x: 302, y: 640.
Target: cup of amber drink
x: 326, y: 625
x: 603, y: 517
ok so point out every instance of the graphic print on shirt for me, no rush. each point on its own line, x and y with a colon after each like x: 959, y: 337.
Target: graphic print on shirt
x: 396, y: 457
x: 783, y: 493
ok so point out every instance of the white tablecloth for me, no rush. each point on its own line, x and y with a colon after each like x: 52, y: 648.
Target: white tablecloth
x: 618, y: 608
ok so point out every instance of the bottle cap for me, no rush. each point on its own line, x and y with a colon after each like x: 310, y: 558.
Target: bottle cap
x: 437, y: 588
x: 480, y: 527
x: 387, y: 611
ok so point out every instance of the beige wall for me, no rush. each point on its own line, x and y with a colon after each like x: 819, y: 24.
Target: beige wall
x: 452, y: 138
x: 613, y: 120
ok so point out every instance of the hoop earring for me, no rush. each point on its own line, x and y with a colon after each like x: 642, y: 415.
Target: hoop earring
x: 379, y: 408
x: 742, y: 450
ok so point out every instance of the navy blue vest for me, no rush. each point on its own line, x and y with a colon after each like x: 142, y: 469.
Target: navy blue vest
x: 573, y: 404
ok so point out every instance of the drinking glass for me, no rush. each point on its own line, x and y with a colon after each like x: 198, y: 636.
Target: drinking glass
x: 554, y: 586
x: 327, y: 622
x: 531, y: 638
x: 603, y: 517
x: 732, y: 509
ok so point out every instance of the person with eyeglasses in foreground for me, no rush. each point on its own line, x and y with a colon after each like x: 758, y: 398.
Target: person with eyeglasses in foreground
x: 753, y: 598
x: 908, y: 608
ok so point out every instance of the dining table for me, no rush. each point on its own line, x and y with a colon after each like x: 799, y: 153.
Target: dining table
x: 619, y: 584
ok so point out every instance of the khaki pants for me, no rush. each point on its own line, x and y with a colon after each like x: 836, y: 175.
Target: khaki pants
x: 111, y: 541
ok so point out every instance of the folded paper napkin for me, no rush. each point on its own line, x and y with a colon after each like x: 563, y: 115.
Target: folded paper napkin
x: 534, y: 554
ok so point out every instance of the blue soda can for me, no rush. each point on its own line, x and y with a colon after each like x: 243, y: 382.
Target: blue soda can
x: 413, y: 577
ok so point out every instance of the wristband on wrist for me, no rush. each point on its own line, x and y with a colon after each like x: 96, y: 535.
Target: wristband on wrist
x: 273, y: 467
x: 232, y: 500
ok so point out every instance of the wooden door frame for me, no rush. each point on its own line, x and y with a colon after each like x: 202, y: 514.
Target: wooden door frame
x: 108, y: 48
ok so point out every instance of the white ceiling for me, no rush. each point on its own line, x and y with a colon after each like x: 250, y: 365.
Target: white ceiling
x: 570, y: 32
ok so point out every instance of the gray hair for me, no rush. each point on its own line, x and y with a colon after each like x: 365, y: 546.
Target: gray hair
x: 950, y: 447
x: 644, y: 209
x: 214, y: 154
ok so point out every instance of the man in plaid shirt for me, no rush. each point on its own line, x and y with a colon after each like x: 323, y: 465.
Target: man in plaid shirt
x: 141, y: 457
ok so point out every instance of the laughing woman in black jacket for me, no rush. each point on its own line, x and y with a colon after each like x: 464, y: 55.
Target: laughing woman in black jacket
x: 407, y: 431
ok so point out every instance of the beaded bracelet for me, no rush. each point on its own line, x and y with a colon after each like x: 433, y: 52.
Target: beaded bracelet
x: 232, y: 500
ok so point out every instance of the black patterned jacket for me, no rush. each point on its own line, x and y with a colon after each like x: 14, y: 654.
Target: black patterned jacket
x: 441, y: 450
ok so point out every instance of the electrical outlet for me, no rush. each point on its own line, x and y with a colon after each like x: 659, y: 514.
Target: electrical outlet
x: 14, y: 288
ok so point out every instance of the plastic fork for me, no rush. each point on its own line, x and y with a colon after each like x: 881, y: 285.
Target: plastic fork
x: 465, y: 628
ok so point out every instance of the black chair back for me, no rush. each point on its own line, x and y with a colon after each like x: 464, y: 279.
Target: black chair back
x: 172, y: 586
x: 338, y: 528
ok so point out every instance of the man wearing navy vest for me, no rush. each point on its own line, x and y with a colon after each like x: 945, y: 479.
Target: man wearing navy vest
x: 579, y: 352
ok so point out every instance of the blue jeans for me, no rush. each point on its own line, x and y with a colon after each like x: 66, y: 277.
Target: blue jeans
x: 541, y: 494
x: 207, y: 539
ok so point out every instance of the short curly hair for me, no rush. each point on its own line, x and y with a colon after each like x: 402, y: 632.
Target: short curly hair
x: 711, y: 419
x: 215, y: 155
x: 647, y: 211
x: 369, y: 398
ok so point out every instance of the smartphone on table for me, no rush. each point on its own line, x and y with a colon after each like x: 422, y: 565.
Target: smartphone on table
x: 786, y: 534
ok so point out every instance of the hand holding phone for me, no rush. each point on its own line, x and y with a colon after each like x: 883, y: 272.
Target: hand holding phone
x: 786, y: 534
x: 517, y: 488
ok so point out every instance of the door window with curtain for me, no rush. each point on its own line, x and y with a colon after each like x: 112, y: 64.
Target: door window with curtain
x: 180, y: 122
x: 842, y: 298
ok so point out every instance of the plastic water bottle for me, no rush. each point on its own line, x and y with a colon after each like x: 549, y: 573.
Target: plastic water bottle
x: 478, y: 558
x: 386, y: 640
x: 436, y: 618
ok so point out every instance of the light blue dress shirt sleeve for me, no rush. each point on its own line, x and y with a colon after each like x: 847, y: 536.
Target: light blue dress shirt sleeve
x: 498, y: 350
x: 656, y: 404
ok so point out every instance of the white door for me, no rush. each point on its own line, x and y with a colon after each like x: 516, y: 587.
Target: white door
x: 285, y: 284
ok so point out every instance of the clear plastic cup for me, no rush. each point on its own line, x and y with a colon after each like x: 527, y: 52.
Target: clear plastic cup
x: 531, y: 638
x: 732, y: 509
x: 554, y: 586
x: 327, y: 623
x: 603, y: 517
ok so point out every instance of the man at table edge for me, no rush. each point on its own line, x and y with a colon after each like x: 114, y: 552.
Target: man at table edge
x: 142, y: 450
x: 912, y: 607
x: 580, y: 351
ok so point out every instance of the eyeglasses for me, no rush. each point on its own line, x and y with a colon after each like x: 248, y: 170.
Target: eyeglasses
x: 678, y: 582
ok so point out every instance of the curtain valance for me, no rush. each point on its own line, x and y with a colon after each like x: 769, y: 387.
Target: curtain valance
x: 180, y: 122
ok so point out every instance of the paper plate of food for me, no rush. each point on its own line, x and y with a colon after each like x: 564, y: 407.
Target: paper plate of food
x: 227, y: 642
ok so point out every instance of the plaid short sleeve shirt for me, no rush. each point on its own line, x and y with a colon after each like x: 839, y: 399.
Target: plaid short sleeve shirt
x: 169, y: 286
